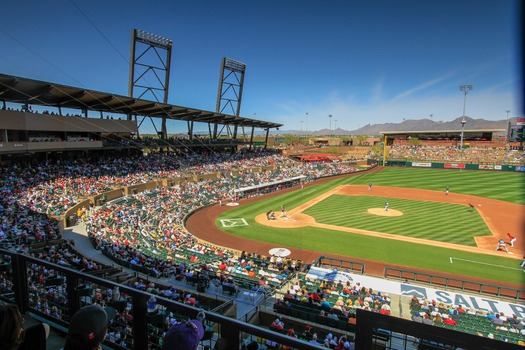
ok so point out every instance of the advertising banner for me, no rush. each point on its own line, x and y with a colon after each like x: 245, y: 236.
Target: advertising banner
x: 454, y: 166
x: 467, y: 300
x: 424, y: 165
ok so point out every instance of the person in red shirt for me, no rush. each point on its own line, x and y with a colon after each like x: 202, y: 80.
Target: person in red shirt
x: 277, y: 323
x: 450, y: 321
x: 512, y: 239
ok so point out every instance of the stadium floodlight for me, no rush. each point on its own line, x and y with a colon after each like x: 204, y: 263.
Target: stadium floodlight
x: 153, y: 39
x: 234, y: 65
x: 330, y: 116
x: 466, y: 88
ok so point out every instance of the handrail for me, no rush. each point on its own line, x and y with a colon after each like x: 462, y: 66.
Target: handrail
x: 230, y: 330
x: 456, y: 283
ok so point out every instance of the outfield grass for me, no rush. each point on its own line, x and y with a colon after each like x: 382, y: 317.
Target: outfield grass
x: 418, y: 219
x: 503, y: 186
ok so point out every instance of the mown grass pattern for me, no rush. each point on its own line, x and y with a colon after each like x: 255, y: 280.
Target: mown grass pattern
x: 503, y: 186
x: 460, y: 224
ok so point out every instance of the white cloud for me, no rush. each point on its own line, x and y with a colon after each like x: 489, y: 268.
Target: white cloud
x: 423, y: 86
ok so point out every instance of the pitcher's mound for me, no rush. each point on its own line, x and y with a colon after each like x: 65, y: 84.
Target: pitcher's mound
x: 382, y: 212
x: 290, y: 221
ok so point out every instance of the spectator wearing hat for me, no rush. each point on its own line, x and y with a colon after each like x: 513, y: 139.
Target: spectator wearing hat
x: 307, y: 333
x: 183, y: 336
x: 88, y: 328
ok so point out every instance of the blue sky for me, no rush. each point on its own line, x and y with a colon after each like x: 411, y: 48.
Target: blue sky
x: 361, y: 61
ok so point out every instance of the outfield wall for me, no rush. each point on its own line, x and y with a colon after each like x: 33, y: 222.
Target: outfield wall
x: 466, y: 166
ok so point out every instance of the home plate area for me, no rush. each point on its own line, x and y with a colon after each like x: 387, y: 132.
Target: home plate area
x: 291, y: 220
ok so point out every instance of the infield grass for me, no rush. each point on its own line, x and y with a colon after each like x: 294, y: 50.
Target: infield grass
x: 418, y: 219
x: 503, y: 186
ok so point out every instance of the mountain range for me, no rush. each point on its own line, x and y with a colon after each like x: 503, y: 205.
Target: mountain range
x: 409, y: 125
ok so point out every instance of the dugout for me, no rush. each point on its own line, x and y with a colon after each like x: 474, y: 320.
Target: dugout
x: 246, y: 192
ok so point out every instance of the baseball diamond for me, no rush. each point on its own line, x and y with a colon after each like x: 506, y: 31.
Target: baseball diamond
x: 397, y: 239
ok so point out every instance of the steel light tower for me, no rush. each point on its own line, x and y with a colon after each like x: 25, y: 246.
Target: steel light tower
x: 507, y: 132
x: 330, y: 117
x: 466, y: 88
x: 306, y: 126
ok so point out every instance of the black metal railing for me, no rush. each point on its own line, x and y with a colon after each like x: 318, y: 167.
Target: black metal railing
x: 54, y: 293
x: 456, y: 283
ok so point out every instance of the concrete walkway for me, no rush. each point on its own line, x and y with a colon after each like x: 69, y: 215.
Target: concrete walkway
x: 246, y: 301
x: 79, y: 235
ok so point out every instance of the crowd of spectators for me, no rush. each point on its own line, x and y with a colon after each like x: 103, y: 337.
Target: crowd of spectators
x: 54, y: 186
x: 495, y: 325
x: 331, y: 303
x: 335, y: 299
x: 145, y: 229
x: 151, y: 222
x: 473, y: 155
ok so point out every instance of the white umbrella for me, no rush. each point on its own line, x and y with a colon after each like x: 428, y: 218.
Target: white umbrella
x: 282, y: 252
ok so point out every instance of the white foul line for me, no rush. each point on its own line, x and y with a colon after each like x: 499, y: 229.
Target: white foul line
x: 480, y: 262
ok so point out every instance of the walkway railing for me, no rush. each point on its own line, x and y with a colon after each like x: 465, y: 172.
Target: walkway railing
x: 456, y: 283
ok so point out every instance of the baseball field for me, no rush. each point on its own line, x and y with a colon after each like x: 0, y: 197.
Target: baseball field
x: 424, y: 228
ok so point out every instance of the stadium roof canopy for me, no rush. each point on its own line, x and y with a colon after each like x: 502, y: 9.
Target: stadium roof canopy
x: 21, y: 90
